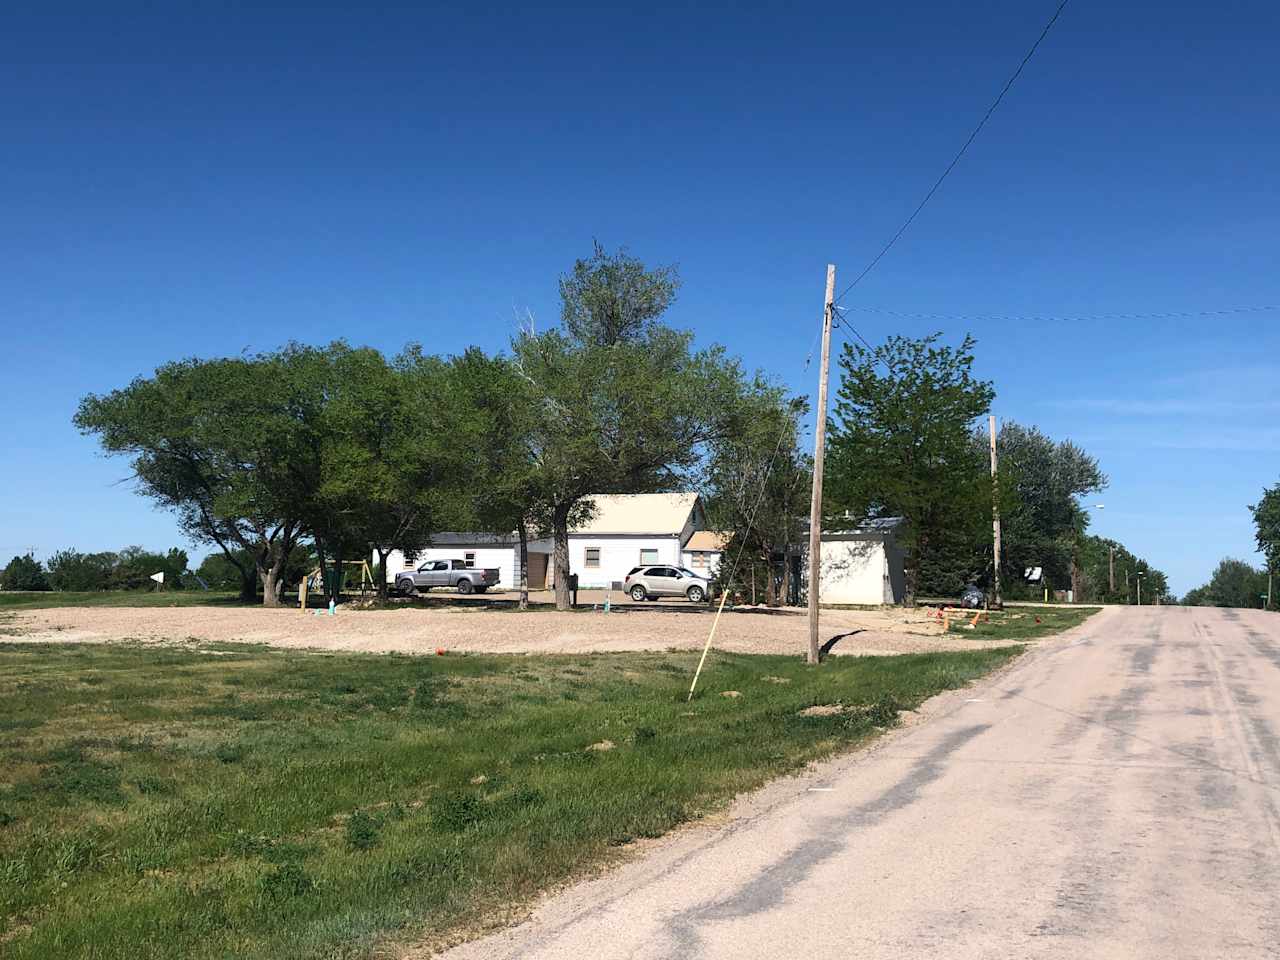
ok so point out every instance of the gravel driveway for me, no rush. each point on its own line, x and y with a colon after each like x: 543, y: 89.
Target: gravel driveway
x: 486, y: 630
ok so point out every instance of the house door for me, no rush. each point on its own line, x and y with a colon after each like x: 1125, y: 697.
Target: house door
x: 538, y: 570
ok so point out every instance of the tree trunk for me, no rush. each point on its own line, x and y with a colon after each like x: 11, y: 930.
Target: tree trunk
x: 770, y: 581
x: 786, y: 579
x: 270, y: 591
x: 523, y: 576
x: 248, y: 584
x: 911, y: 577
x: 382, y: 573
x: 560, y: 556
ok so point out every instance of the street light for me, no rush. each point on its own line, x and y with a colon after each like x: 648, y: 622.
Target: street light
x: 1140, y: 576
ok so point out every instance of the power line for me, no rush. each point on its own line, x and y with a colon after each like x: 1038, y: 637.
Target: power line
x: 1014, y: 318
x: 956, y: 159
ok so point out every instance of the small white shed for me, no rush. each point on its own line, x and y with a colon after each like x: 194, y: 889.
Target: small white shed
x: 862, y: 564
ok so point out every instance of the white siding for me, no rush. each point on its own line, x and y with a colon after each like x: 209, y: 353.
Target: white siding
x: 703, y: 562
x: 855, y: 571
x: 503, y: 558
x: 618, y: 554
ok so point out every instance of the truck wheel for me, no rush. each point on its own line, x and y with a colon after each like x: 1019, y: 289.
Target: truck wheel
x: 696, y: 595
x: 464, y: 587
x: 639, y: 594
x: 408, y: 588
x: 481, y: 589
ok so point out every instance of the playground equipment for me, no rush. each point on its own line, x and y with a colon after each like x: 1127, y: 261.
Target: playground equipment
x: 343, y: 570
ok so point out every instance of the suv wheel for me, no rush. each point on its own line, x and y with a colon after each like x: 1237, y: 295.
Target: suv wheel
x: 639, y: 593
x: 696, y: 594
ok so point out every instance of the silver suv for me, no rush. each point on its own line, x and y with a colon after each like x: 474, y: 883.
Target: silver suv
x: 650, y: 583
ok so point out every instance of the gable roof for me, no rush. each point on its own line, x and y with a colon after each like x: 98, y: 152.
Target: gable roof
x: 711, y: 540
x: 663, y: 514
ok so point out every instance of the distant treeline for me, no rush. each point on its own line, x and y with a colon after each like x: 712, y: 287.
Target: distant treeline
x: 132, y: 568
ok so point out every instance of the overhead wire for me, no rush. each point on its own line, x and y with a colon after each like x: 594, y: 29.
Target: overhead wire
x: 751, y: 522
x: 959, y: 154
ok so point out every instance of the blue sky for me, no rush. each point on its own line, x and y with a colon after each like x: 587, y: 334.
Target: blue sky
x: 200, y: 179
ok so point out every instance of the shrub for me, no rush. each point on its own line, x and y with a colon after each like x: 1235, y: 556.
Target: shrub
x: 24, y: 573
x: 362, y: 831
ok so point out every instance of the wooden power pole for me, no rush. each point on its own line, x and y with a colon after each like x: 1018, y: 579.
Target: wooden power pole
x: 1111, y: 566
x: 995, y: 514
x: 819, y: 448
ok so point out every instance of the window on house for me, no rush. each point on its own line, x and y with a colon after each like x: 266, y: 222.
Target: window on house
x: 469, y: 560
x: 593, y: 557
x: 648, y: 556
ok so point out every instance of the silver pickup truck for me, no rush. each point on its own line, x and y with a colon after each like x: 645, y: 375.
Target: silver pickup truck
x: 446, y: 573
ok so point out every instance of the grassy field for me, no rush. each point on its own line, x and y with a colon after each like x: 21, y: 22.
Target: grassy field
x: 200, y: 802
x: 44, y: 600
x: 1022, y: 623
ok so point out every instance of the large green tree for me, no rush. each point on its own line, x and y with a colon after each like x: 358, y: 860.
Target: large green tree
x: 231, y: 445
x: 493, y: 411
x: 24, y: 572
x: 1266, y: 521
x: 758, y: 488
x: 1235, y: 583
x: 1045, y: 524
x: 383, y: 435
x: 72, y: 570
x: 621, y: 403
x: 901, y: 444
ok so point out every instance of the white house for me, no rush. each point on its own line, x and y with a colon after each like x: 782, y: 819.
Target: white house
x: 704, y: 550
x: 631, y: 530
x: 625, y: 531
x: 861, y: 564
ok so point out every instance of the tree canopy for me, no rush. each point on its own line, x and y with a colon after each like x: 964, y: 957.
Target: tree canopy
x: 901, y: 444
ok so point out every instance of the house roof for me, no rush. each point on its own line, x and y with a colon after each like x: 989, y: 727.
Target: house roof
x: 634, y: 513
x: 709, y: 540
x: 848, y: 527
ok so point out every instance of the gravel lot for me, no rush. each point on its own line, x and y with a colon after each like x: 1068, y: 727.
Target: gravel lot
x: 478, y: 629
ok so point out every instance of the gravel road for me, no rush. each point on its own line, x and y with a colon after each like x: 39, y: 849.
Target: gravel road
x: 1114, y: 795
x: 475, y: 629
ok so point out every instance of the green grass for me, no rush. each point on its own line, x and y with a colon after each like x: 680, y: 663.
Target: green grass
x: 1022, y: 623
x: 243, y: 801
x: 44, y: 600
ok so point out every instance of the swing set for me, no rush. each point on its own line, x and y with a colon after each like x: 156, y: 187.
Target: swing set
x: 346, y: 572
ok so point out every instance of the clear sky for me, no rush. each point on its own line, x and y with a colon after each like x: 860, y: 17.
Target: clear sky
x: 204, y: 178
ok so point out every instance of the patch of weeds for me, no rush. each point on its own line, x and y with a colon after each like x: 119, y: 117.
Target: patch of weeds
x: 644, y: 735
x: 427, y: 865
x: 20, y: 723
x: 6, y: 818
x: 285, y: 882
x: 154, y: 786
x: 456, y: 811
x: 76, y: 779
x: 883, y: 713
x: 522, y: 797
x: 229, y: 752
x: 92, y: 680
x: 14, y: 875
x: 362, y: 831
x: 286, y: 851
x: 73, y: 855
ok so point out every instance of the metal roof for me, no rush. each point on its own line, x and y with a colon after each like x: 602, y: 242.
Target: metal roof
x: 661, y: 514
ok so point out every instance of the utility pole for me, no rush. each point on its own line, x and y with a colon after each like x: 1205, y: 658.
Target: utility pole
x: 995, y: 513
x: 819, y: 448
x: 1111, y: 566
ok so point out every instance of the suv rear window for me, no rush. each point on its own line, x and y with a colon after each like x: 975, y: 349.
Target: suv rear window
x: 634, y: 570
